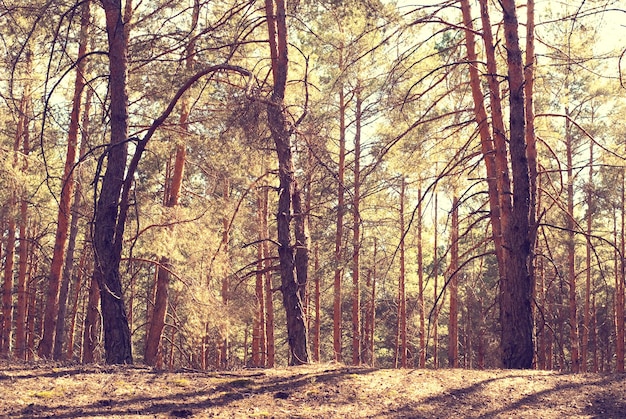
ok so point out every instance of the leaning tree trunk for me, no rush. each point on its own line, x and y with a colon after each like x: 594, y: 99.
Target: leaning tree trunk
x: 153, y: 355
x: 289, y: 195
x: 106, y: 240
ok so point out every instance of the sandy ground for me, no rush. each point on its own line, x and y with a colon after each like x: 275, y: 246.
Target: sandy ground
x: 313, y: 391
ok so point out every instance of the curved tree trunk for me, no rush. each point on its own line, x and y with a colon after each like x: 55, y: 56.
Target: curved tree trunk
x: 67, y: 188
x: 106, y: 238
x: 289, y: 202
x: 152, y: 355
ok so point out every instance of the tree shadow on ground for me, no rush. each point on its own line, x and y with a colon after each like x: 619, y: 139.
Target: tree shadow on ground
x: 469, y: 401
x: 184, y: 403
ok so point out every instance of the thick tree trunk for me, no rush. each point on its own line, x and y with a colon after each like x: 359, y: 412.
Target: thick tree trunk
x: 107, y: 238
x: 289, y: 194
x: 531, y: 140
x: 516, y: 288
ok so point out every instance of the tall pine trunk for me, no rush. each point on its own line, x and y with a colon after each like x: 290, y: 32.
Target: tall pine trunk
x: 22, y: 275
x: 51, y: 315
x: 289, y: 209
x: 107, y: 233
x: 516, y: 288
x: 337, y: 284
x: 356, y: 238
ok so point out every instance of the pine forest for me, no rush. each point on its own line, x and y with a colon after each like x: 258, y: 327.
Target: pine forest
x: 213, y: 185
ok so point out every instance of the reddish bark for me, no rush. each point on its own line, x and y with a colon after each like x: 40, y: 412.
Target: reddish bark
x: 20, y: 314
x: 486, y: 141
x: 51, y: 314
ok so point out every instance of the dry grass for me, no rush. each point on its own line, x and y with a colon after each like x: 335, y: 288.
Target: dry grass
x: 314, y: 391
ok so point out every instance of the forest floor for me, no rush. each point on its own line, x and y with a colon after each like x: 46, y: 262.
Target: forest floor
x: 316, y: 391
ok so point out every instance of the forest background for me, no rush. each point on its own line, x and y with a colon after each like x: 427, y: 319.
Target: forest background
x: 172, y: 193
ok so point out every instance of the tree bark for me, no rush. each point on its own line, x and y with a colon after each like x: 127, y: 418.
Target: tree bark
x: 269, y: 292
x: 67, y: 188
x: 337, y: 311
x: 420, y: 279
x: 289, y: 194
x: 453, y: 326
x: 91, y: 330
x: 435, y: 311
x: 620, y: 272
x: 317, y: 325
x: 22, y: 275
x: 516, y: 288
x: 7, y: 291
x: 588, y: 250
x: 401, y: 340
x: 107, y: 238
x: 356, y: 238
x: 571, y: 250
x: 486, y: 141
